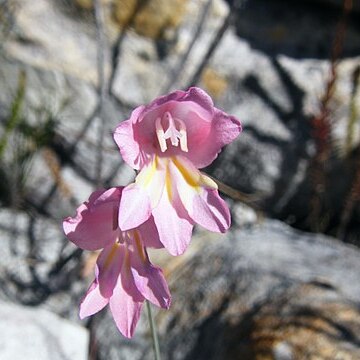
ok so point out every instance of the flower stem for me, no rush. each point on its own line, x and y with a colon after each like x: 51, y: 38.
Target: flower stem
x: 155, y: 339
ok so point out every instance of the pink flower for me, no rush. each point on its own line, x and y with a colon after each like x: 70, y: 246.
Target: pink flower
x: 124, y: 276
x: 168, y: 140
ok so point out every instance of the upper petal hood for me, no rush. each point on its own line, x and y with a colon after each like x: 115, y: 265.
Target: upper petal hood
x: 208, y: 129
x: 205, y: 146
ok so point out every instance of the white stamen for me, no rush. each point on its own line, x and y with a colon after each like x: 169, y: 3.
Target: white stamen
x: 171, y: 132
x: 160, y: 135
x: 183, y: 136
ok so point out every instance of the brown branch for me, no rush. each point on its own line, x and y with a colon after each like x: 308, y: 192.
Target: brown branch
x: 322, y: 128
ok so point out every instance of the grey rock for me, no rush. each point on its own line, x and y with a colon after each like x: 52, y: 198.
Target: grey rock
x: 39, y: 266
x: 58, y: 42
x: 35, y: 334
x: 71, y: 104
x: 223, y: 287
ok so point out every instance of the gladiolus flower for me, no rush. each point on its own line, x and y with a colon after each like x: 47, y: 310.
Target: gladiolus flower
x: 124, y: 276
x: 168, y: 141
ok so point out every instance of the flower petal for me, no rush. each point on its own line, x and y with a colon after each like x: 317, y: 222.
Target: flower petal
x: 205, y: 144
x: 211, y: 211
x: 207, y: 129
x: 172, y: 221
x: 93, y: 301
x: 199, y: 196
x: 149, y: 234
x: 135, y: 207
x: 125, y: 304
x: 109, y: 264
x: 93, y: 226
x: 148, y: 278
x: 125, y: 139
x: 152, y: 179
x: 139, y: 198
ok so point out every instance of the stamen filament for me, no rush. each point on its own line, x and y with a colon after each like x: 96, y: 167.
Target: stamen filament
x: 171, y: 132
x: 160, y: 135
x: 183, y: 136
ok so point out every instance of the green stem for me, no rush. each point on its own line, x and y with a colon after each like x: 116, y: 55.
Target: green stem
x: 155, y: 339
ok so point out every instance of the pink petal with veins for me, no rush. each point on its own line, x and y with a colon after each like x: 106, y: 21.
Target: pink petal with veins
x: 93, y: 226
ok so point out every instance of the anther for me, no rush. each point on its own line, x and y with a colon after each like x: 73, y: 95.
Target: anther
x: 160, y: 135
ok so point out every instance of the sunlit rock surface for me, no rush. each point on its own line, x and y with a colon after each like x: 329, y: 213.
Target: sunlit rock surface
x: 252, y: 294
x: 34, y: 334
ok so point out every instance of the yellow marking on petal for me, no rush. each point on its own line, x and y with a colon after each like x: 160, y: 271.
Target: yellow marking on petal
x: 126, y: 269
x: 145, y: 176
x: 168, y: 184
x: 191, y: 177
x: 208, y: 182
x: 110, y: 257
x: 139, y: 246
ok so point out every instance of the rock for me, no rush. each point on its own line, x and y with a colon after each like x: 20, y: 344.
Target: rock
x: 261, y: 292
x: 36, y: 41
x: 35, y: 334
x: 151, y: 18
x: 48, y: 112
x: 143, y: 73
x: 50, y: 105
x: 39, y: 266
x: 214, y: 83
x: 311, y: 320
x: 275, y: 99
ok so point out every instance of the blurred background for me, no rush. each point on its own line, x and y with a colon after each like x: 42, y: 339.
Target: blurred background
x: 283, y: 283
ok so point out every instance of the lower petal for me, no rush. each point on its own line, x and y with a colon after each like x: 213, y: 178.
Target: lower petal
x: 210, y: 211
x: 199, y: 195
x: 92, y: 302
x: 126, y: 307
x: 150, y: 280
x: 149, y: 234
x: 135, y: 207
x: 173, y: 224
